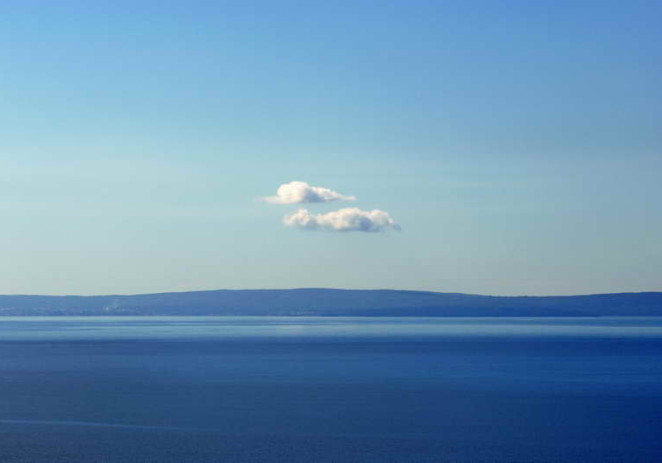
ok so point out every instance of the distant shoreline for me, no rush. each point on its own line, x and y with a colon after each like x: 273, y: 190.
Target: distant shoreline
x: 334, y: 303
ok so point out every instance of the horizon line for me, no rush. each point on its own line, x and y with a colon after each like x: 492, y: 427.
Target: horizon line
x: 325, y: 289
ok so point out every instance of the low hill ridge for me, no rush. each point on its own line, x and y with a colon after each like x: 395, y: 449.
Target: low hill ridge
x: 334, y: 302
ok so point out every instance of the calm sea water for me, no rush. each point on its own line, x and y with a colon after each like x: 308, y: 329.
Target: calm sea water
x: 242, y: 389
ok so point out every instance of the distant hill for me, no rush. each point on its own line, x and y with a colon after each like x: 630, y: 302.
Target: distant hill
x: 336, y: 302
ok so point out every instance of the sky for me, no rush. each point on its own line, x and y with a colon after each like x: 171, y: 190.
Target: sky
x: 490, y: 147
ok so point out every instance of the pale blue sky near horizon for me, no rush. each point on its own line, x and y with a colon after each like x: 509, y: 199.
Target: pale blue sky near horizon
x: 518, y: 144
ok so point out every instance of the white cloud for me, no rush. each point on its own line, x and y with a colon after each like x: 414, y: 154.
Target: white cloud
x: 300, y: 192
x: 348, y: 219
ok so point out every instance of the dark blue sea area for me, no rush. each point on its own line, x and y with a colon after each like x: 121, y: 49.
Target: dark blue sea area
x: 316, y: 389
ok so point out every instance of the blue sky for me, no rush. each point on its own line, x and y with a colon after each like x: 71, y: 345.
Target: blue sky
x: 517, y: 144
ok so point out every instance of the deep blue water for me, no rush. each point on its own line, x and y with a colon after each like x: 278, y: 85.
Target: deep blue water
x: 241, y: 389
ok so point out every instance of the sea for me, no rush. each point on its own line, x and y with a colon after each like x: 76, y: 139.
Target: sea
x: 330, y: 389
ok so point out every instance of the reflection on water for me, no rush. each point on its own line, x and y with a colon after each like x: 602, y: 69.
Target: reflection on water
x: 108, y: 328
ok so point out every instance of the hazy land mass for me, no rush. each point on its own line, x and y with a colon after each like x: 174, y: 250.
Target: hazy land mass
x: 334, y: 302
